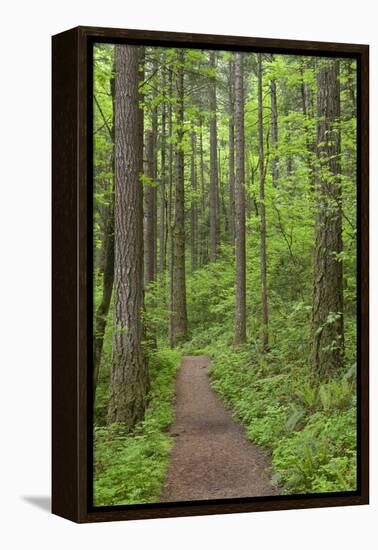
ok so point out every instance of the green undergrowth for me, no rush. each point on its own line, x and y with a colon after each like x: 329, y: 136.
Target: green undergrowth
x: 309, y: 429
x: 130, y: 468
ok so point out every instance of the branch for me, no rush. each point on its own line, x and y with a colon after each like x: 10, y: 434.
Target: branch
x: 103, y: 117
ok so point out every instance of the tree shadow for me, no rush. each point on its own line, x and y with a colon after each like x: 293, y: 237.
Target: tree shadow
x: 41, y: 502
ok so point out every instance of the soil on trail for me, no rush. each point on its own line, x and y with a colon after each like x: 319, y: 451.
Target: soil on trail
x: 211, y: 457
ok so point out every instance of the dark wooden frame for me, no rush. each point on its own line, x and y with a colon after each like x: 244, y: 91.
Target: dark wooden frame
x: 71, y: 408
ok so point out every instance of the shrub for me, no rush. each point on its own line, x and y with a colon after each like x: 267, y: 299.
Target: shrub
x: 130, y: 468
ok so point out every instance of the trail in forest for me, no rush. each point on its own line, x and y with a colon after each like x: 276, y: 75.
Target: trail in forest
x: 211, y: 457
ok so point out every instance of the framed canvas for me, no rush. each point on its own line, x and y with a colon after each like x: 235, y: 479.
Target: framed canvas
x: 210, y: 274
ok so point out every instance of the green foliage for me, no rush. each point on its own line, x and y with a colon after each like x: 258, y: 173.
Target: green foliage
x: 321, y: 457
x: 312, y: 439
x: 130, y: 468
x: 210, y: 297
x: 308, y: 427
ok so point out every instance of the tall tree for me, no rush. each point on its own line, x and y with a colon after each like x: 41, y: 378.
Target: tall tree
x: 351, y: 83
x: 179, y: 320
x: 108, y: 259
x: 170, y: 210
x: 221, y: 205
x: 129, y: 376
x: 154, y: 127
x: 213, y: 195
x: 264, y: 292
x: 150, y: 171
x: 193, y: 206
x: 204, y: 223
x: 274, y: 128
x: 327, y: 304
x: 306, y: 109
x: 163, y: 205
x: 149, y: 209
x: 240, y: 255
x: 231, y: 144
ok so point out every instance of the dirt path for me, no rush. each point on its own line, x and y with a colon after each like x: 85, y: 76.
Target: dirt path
x: 211, y: 457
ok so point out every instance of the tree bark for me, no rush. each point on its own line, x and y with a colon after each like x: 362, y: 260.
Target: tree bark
x: 222, y: 206
x: 149, y: 210
x: 213, y: 213
x: 163, y: 205
x: 351, y: 84
x: 327, y: 306
x: 103, y: 308
x: 108, y: 270
x: 310, y: 145
x: 231, y: 163
x: 154, y: 126
x: 170, y: 214
x: 240, y: 254
x: 179, y: 320
x: 264, y: 292
x: 274, y: 129
x: 193, y: 207
x: 129, y: 377
x: 204, y: 225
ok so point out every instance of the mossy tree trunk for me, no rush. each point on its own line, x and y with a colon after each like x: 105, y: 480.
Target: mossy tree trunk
x: 179, y: 314
x: 327, y: 303
x: 263, y: 259
x: 129, y: 376
x: 240, y: 254
x: 213, y: 194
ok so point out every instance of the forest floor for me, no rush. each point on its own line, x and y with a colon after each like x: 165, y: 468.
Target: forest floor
x: 211, y: 457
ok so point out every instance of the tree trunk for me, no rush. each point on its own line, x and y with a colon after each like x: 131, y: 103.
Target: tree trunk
x: 249, y: 189
x: 108, y: 270
x: 170, y: 215
x: 129, y: 377
x: 287, y: 107
x: 327, y: 306
x: 231, y: 163
x: 193, y: 208
x: 310, y: 145
x: 204, y: 224
x: 162, y: 230
x: 149, y: 210
x: 222, y: 207
x: 213, y: 252
x: 240, y: 256
x: 264, y: 293
x: 274, y: 129
x: 103, y: 308
x: 154, y: 126
x: 351, y: 84
x: 179, y: 321
x: 221, y: 213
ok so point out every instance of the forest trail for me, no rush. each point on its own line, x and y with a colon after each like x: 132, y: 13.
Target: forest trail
x: 211, y: 457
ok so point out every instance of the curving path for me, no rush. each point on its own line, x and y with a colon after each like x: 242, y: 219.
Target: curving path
x: 211, y: 457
